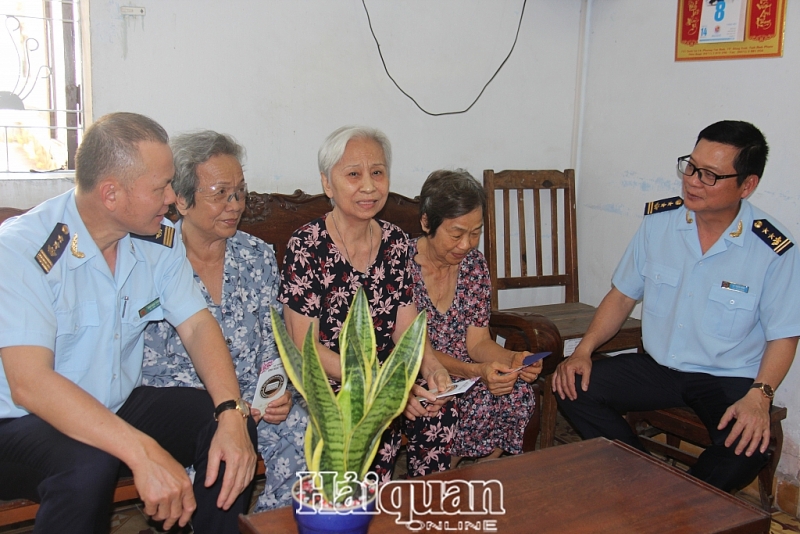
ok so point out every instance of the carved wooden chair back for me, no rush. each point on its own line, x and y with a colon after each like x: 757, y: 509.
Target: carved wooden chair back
x: 273, y: 217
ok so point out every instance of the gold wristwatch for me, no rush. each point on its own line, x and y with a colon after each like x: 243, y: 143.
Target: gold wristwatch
x: 766, y: 389
x: 237, y: 404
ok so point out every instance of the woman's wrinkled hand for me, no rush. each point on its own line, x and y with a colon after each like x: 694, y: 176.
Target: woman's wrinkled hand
x: 276, y: 411
x: 498, y: 378
x: 530, y: 373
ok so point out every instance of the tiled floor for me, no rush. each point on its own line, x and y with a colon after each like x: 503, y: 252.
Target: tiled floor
x: 131, y: 520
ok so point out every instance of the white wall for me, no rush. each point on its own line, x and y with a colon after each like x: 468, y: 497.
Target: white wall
x: 643, y: 110
x: 280, y: 75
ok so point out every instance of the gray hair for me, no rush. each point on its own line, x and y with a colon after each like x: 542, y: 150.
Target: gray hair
x: 332, y: 150
x: 193, y: 149
x: 111, y: 146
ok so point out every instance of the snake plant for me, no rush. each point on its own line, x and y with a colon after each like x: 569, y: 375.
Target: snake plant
x: 345, y: 428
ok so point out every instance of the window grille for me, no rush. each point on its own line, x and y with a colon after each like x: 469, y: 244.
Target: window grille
x: 41, y: 85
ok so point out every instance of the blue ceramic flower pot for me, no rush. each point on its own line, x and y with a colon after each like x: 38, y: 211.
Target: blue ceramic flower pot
x: 353, y: 520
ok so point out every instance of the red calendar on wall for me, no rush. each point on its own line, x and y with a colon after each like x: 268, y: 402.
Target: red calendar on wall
x: 732, y: 29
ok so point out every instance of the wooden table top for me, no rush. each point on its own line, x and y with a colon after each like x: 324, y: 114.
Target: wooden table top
x: 592, y: 486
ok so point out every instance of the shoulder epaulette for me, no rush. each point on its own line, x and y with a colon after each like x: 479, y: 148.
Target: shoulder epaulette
x: 666, y: 204
x: 165, y: 236
x: 53, y: 248
x: 772, y: 236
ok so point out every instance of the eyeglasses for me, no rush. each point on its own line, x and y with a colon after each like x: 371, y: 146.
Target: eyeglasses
x: 225, y: 193
x: 707, y: 177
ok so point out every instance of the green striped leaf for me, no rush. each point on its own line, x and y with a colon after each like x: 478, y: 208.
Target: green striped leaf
x: 290, y: 356
x: 394, y: 381
x: 357, y: 355
x: 323, y: 409
x: 406, y: 354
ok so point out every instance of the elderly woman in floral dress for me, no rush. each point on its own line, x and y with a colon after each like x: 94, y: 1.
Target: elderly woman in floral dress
x: 238, y: 275
x: 452, y: 286
x: 329, y: 258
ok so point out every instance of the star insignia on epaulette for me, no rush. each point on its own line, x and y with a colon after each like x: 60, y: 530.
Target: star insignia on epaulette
x: 666, y: 204
x: 53, y: 248
x: 772, y: 236
x: 165, y: 236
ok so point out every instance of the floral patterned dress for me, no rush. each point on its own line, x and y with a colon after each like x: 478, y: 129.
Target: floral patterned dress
x: 250, y: 286
x: 485, y: 421
x: 319, y: 282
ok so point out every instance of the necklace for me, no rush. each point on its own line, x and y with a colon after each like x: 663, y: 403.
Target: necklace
x: 347, y: 252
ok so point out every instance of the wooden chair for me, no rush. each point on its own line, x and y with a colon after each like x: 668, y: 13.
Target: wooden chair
x: 682, y: 424
x: 543, y: 201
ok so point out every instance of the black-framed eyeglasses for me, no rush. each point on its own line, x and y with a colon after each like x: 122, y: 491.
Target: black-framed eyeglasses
x: 225, y: 193
x: 707, y: 177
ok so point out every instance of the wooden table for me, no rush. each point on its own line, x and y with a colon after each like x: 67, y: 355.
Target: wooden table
x: 593, y: 486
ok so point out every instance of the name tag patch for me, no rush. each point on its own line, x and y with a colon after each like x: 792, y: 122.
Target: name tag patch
x: 735, y: 287
x: 150, y: 307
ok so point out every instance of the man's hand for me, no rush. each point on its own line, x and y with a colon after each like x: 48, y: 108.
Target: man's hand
x: 498, y: 378
x: 276, y: 411
x: 564, y: 376
x: 231, y: 444
x: 164, y: 487
x: 752, y: 423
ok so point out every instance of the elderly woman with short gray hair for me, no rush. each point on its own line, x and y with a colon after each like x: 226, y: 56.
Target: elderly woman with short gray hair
x: 329, y: 258
x: 238, y: 275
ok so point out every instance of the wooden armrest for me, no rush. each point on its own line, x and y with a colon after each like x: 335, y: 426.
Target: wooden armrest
x: 530, y: 332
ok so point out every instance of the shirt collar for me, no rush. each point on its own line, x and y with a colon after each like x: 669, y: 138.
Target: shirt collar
x: 740, y: 226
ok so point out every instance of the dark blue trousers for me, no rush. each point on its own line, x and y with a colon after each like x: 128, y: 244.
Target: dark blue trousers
x: 74, y: 482
x: 635, y: 382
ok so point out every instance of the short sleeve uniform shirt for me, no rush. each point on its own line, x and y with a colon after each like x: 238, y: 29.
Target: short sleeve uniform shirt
x: 715, y: 312
x: 91, y: 319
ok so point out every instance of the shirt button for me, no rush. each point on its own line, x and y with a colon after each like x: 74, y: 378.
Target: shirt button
x: 700, y: 263
x: 229, y: 342
x: 680, y: 325
x: 733, y: 302
x: 116, y: 336
x: 114, y: 376
x: 673, y: 356
x: 691, y: 294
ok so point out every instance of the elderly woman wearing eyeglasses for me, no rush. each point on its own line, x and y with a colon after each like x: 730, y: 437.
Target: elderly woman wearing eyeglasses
x: 238, y: 275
